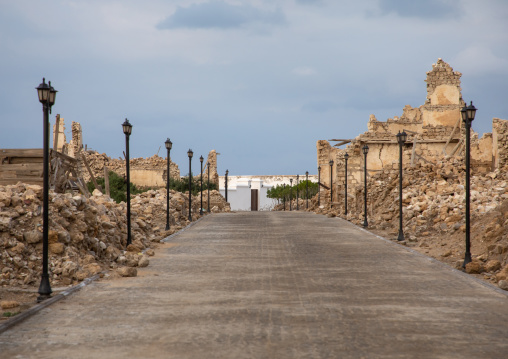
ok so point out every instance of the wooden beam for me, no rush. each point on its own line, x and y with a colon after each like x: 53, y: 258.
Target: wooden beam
x: 106, y: 181
x: 55, y: 133
x: 451, y: 135
x: 91, y: 173
x: 342, y: 143
x: 324, y: 186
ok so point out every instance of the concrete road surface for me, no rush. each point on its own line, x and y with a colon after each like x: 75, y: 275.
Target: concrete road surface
x: 274, y: 285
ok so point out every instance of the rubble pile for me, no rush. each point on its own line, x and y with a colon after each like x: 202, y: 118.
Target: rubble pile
x: 87, y: 235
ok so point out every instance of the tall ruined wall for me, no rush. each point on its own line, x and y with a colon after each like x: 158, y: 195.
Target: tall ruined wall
x: 211, y: 166
x: 499, y: 142
x: 444, y: 98
x: 59, y: 140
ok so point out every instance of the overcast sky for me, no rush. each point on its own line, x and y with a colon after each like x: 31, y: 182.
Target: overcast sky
x: 260, y: 81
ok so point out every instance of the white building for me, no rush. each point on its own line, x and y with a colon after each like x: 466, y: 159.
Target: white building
x: 248, y: 193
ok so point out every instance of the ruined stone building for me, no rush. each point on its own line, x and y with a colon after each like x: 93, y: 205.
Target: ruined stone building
x: 434, y: 129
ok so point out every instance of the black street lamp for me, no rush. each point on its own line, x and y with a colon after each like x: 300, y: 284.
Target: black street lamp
x: 47, y: 96
x: 401, y: 139
x: 127, y: 130
x: 297, y: 195
x: 284, y: 196
x: 190, y: 154
x: 208, y: 169
x: 319, y: 186
x: 168, y: 144
x: 307, y: 187
x: 468, y: 114
x: 290, y: 192
x: 365, y: 150
x: 331, y: 183
x: 201, y: 207
x: 226, y: 185
x: 346, y: 157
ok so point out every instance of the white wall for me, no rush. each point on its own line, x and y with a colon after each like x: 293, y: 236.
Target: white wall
x: 239, y: 190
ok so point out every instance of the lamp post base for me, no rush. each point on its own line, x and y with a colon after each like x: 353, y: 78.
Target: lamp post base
x: 365, y: 224
x: 467, y: 259
x: 44, y: 289
x: 400, y: 237
x: 167, y: 227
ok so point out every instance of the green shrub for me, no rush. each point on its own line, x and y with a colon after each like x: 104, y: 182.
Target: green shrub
x: 280, y: 191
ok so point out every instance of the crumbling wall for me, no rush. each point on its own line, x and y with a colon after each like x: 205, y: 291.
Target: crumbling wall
x: 500, y: 142
x: 59, y: 140
x: 144, y: 172
x: 211, y: 165
x: 76, y: 144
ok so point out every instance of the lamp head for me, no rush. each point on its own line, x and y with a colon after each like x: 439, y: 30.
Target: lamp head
x: 365, y: 149
x: 403, y: 136
x: 468, y: 112
x: 43, y: 91
x: 168, y: 144
x: 190, y: 153
x: 346, y: 156
x: 127, y: 127
x: 201, y: 159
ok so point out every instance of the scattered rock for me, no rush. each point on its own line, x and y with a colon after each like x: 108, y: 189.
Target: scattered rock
x: 492, y: 265
x: 474, y: 267
x: 8, y: 304
x: 503, y: 284
x: 143, y: 261
x: 127, y: 271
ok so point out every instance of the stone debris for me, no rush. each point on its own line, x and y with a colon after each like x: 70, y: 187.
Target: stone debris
x: 9, y: 304
x: 86, y: 235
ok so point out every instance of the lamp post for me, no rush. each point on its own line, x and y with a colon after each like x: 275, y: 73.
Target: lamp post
x: 319, y: 186
x: 127, y: 130
x: 468, y: 114
x: 226, y: 185
x: 290, y: 192
x: 331, y: 183
x: 365, y: 150
x: 297, y: 194
x: 47, y: 96
x: 208, y: 169
x: 201, y: 207
x: 284, y: 196
x: 190, y: 154
x: 401, y: 139
x: 346, y: 157
x: 307, y: 187
x: 168, y: 144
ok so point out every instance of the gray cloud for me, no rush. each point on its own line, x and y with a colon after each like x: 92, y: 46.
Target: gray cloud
x: 423, y: 9
x: 221, y: 15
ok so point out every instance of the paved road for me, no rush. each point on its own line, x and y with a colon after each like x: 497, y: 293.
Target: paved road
x: 274, y: 285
